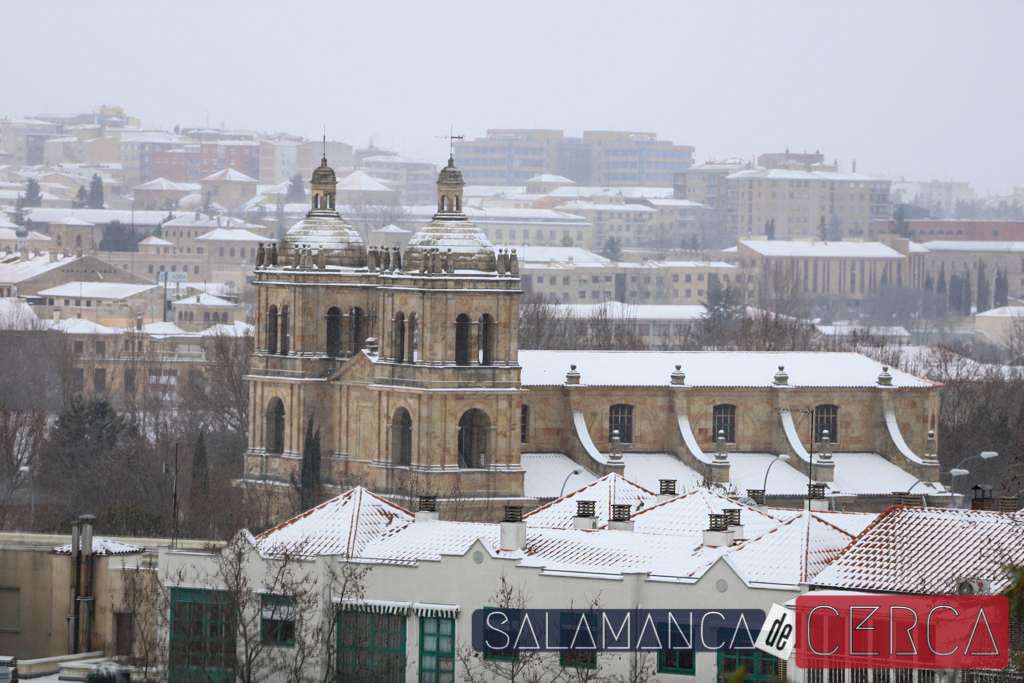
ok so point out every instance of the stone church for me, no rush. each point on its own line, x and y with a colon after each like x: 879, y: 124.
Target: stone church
x: 408, y: 364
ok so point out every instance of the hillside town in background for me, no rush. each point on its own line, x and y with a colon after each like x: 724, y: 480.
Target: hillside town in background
x: 276, y: 408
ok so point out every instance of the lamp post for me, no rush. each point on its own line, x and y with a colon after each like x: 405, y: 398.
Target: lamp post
x: 574, y: 472
x: 777, y: 458
x: 983, y: 455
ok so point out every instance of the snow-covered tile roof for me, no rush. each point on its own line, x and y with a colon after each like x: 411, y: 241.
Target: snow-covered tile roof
x: 163, y: 184
x: 18, y: 269
x: 852, y: 329
x: 97, y: 290
x: 551, y: 178
x: 708, y: 368
x: 154, y: 241
x: 611, y: 489
x: 687, y: 515
x: 747, y: 471
x: 234, y: 235
x: 870, y: 473
x: 235, y: 329
x: 578, y: 205
x: 391, y: 229
x: 229, y: 175
x: 928, y: 551
x: 790, y: 553
x: 163, y: 329
x: 82, y: 326
x: 343, y: 525
x: 631, y: 192
x: 203, y: 299
x: 102, y: 546
x: 530, y: 255
x: 809, y: 249
x: 546, y: 472
x: 787, y: 174
x: 145, y: 218
x: 360, y: 181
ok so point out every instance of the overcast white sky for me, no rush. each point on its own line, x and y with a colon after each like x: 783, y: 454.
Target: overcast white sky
x: 921, y: 89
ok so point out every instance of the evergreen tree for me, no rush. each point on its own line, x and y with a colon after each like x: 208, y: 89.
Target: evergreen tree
x: 821, y: 230
x: 769, y: 229
x: 199, y: 491
x: 32, y: 197
x: 566, y: 240
x: 611, y: 250
x: 1002, y: 293
x: 984, y: 290
x: 940, y: 289
x: 723, y: 303
x: 81, y: 200
x: 900, y: 218
x: 929, y: 284
x: 955, y: 294
x: 96, y: 192
x: 966, y: 296
x: 296, y: 191
x: 309, y: 483
x: 835, y: 229
x: 119, y: 237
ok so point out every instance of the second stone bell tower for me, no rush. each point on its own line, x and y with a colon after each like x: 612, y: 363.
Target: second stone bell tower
x: 449, y: 312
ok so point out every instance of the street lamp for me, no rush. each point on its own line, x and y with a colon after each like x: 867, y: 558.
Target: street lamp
x: 26, y: 471
x: 984, y: 455
x: 576, y: 471
x: 777, y: 458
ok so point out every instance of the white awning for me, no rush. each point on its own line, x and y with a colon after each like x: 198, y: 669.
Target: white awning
x: 426, y: 609
x: 375, y: 606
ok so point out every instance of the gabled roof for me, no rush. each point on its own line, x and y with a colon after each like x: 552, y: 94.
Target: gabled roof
x: 229, y: 175
x: 343, y: 525
x: 809, y: 249
x: 687, y: 515
x: 928, y: 550
x: 360, y: 181
x: 611, y: 489
x: 791, y: 553
x: 154, y: 241
x: 203, y: 299
x: 234, y: 235
x: 97, y: 290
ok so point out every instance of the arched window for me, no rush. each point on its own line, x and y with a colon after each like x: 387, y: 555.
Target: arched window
x: 272, y: 329
x: 826, y: 417
x: 274, y: 439
x: 474, y: 432
x: 524, y: 424
x: 401, y: 438
x: 620, y: 417
x: 412, y: 339
x: 462, y: 325
x: 398, y: 338
x: 285, y: 336
x: 333, y: 320
x: 723, y: 420
x: 356, y: 314
x: 487, y: 330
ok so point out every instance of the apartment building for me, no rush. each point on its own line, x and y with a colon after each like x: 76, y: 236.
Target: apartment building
x: 278, y: 159
x: 528, y: 226
x: 849, y: 270
x: 955, y: 229
x: 414, y: 180
x: 627, y: 224
x: 509, y: 156
x: 798, y: 201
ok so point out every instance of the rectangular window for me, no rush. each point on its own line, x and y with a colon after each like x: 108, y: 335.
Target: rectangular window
x: 123, y: 634
x: 202, y: 636
x: 437, y: 650
x: 756, y: 665
x: 129, y: 381
x: 680, y: 662
x: 79, y: 347
x: 10, y: 609
x: 524, y: 424
x: 99, y: 381
x: 620, y: 419
x: 101, y: 348
x: 277, y: 620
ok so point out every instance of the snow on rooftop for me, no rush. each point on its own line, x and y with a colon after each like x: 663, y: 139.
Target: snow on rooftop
x: 975, y: 245
x: 630, y: 192
x: 841, y: 329
x: 234, y: 235
x: 708, y: 368
x: 928, y: 551
x: 545, y: 473
x: 551, y: 178
x: 103, y: 546
x: 391, y: 229
x: 154, y: 241
x: 492, y: 190
x: 647, y: 469
x: 163, y: 184
x: 97, y: 290
x: 235, y: 329
x: 343, y: 525
x: 229, y: 175
x: 203, y: 299
x: 531, y: 255
x: 163, y: 329
x: 809, y: 249
x: 360, y: 181
x: 127, y: 217
x: 1002, y: 312
x: 786, y: 174
x: 82, y: 326
x: 687, y: 515
x: 611, y: 489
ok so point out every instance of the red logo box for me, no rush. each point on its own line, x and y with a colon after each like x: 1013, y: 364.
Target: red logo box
x: 902, y: 632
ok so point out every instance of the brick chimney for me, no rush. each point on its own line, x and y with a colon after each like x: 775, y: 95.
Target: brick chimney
x: 732, y: 518
x: 816, y: 500
x: 666, y: 490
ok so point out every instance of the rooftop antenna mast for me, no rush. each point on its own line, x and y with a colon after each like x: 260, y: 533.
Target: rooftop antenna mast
x: 451, y: 138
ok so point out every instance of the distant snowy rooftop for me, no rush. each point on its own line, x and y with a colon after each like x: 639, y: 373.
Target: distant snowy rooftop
x: 808, y: 249
x: 975, y: 245
x: 616, y: 310
x: 97, y: 290
x: 708, y: 368
x: 103, y: 546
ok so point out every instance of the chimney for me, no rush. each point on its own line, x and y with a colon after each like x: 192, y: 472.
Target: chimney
x: 371, y: 345
x: 981, y: 498
x: 717, y: 534
x: 756, y: 495
x: 426, y: 510
x: 732, y: 518
x: 620, y: 520
x: 884, y: 378
x: 781, y: 379
x: 666, y: 490
x: 572, y: 377
x: 513, y: 528
x: 585, y: 516
x: 816, y: 501
x: 678, y: 377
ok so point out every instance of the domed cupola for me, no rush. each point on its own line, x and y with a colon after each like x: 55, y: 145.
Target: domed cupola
x: 323, y: 236
x: 451, y: 230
